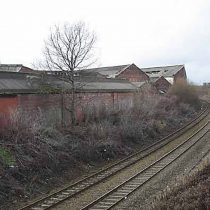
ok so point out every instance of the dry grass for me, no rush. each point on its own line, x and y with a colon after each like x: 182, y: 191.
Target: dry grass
x: 32, y: 150
x: 185, y: 93
x: 187, y: 192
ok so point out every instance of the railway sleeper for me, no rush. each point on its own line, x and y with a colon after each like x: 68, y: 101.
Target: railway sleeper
x: 118, y: 196
x: 123, y: 191
x: 150, y: 173
x: 141, y: 178
x: 121, y: 194
x: 50, y: 202
x: 111, y: 199
x: 37, y: 208
x: 45, y: 205
x: 56, y: 199
x: 104, y: 204
x: 133, y: 185
x: 100, y: 176
x: 65, y: 193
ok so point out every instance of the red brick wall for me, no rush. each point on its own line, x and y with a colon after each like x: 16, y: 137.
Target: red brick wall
x: 162, y: 84
x: 43, y: 101
x: 180, y: 75
x: 25, y: 69
x: 7, y: 105
x: 148, y: 89
x: 133, y: 74
x: 107, y: 99
x: 50, y: 104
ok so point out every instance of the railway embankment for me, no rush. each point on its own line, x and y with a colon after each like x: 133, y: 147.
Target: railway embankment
x: 35, y: 159
x: 153, y: 195
x: 190, y: 191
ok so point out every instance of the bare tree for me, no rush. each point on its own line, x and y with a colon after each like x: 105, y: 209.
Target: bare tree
x: 68, y: 49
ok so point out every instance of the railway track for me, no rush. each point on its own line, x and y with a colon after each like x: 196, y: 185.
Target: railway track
x: 82, y: 185
x: 122, y: 191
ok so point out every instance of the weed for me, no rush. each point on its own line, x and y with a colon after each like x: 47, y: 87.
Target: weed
x: 7, y: 157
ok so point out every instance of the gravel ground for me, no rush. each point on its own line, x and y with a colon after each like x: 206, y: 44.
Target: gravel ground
x: 91, y: 194
x: 143, y: 198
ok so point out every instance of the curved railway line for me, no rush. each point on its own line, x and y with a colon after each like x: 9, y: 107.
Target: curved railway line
x: 110, y: 198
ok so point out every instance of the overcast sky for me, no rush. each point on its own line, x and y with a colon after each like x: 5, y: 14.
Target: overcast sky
x: 144, y: 32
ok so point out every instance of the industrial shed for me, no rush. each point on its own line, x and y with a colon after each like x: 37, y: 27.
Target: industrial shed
x: 15, y: 68
x: 170, y: 73
x: 129, y: 72
x: 30, y: 92
x: 28, y: 89
x: 161, y: 84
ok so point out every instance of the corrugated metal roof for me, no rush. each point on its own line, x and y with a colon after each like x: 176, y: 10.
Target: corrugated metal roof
x: 166, y: 71
x: 10, y: 67
x: 154, y: 79
x: 11, y: 82
x: 110, y: 71
x: 106, y: 85
x: 138, y: 84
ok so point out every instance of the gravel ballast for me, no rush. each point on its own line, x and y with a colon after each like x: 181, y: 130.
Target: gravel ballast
x: 143, y: 198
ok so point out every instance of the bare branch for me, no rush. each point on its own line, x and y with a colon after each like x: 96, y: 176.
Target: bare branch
x: 68, y: 49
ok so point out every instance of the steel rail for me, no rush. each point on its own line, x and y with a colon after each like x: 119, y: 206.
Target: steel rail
x: 55, y: 198
x: 122, y: 191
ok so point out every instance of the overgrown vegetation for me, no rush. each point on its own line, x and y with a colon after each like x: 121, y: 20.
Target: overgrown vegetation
x: 189, y: 192
x: 32, y: 151
x: 185, y: 93
x: 6, y: 158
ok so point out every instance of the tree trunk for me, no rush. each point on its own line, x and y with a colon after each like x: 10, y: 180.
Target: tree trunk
x: 62, y: 110
x: 73, y: 117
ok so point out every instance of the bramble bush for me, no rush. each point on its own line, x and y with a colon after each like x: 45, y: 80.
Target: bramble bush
x: 38, y: 149
x: 185, y: 93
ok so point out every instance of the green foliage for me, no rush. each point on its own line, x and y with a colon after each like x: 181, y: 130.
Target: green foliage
x: 7, y: 157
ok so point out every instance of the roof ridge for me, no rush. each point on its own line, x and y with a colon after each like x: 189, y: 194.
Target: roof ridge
x: 108, y: 66
x: 121, y: 70
x: 2, y: 64
x: 162, y: 66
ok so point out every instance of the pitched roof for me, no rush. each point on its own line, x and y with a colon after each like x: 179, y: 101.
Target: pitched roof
x: 15, y: 68
x: 97, y: 85
x: 154, y: 79
x: 10, y: 67
x: 138, y: 84
x: 14, y: 82
x: 109, y: 86
x: 110, y: 71
x: 166, y: 71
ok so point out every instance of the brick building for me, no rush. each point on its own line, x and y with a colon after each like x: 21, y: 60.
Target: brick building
x: 170, y: 73
x: 129, y: 72
x: 15, y: 68
x: 161, y: 84
x: 23, y: 87
x: 160, y: 77
x: 29, y: 92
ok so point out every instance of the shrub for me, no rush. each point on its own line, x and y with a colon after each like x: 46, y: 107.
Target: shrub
x: 6, y: 157
x: 186, y: 192
x: 185, y: 93
x: 38, y: 148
